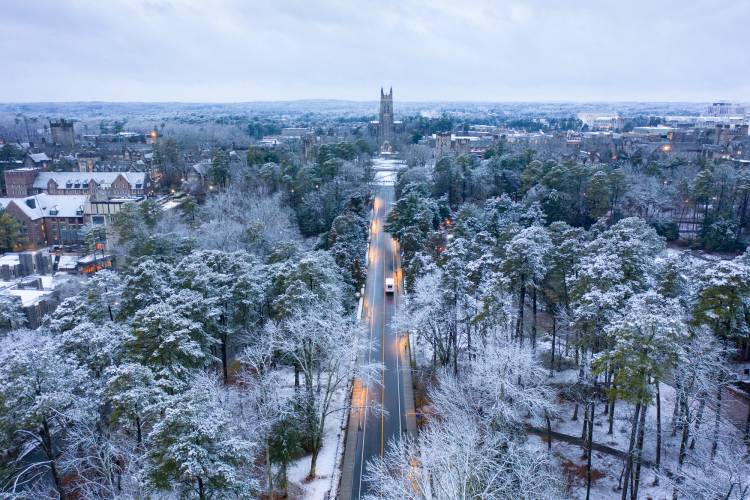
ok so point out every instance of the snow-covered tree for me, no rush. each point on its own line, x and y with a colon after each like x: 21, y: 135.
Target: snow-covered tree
x: 644, y: 342
x: 12, y: 316
x: 130, y: 390
x: 323, y: 344
x: 193, y: 450
x: 455, y: 457
x: 263, y: 392
x: 525, y: 263
x: 41, y: 395
x: 171, y: 337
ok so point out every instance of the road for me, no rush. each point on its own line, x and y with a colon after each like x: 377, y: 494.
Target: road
x: 374, y: 429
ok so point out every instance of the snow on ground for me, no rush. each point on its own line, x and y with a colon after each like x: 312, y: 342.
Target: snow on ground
x: 317, y: 488
x: 607, y: 468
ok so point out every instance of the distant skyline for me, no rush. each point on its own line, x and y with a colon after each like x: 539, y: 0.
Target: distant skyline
x: 428, y: 50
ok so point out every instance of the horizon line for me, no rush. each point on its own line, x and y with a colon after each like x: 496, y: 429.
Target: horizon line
x: 315, y: 99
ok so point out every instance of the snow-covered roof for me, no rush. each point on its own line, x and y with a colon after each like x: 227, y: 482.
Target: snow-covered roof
x: 68, y: 262
x: 39, y: 157
x: 29, y: 297
x: 80, y: 178
x: 46, y: 205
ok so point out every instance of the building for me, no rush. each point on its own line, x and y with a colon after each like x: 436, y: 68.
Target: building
x: 725, y: 109
x: 26, y: 182
x: 442, y: 144
x: 385, y: 118
x: 87, y: 161
x: 18, y: 181
x: 62, y: 132
x: 102, y: 212
x: 37, y: 160
x: 48, y: 219
x: 102, y: 184
x: 447, y: 144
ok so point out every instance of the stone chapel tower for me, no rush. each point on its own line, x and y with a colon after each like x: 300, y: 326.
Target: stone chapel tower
x: 385, y: 125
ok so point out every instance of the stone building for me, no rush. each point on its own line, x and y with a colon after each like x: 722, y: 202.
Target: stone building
x: 385, y: 127
x: 385, y: 118
x: 62, y: 132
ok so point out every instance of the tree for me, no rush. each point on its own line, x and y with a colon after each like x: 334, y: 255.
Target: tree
x: 270, y: 406
x: 130, y: 389
x: 525, y: 263
x: 219, y: 171
x: 193, y: 448
x: 12, y: 316
x: 644, y: 343
x: 171, y: 337
x: 319, y: 342
x: 10, y: 231
x: 41, y: 394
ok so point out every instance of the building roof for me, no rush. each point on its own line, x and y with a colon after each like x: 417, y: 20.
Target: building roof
x: 46, y: 205
x: 39, y: 157
x: 80, y: 178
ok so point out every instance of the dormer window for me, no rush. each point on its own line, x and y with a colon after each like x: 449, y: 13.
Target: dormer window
x: 85, y: 185
x: 69, y: 185
x: 54, y: 211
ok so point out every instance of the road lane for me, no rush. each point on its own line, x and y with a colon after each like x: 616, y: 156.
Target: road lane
x: 375, y: 428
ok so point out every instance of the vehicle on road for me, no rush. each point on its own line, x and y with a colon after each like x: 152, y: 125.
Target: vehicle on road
x: 389, y: 285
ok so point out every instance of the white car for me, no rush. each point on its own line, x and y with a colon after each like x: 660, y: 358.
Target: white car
x: 389, y: 287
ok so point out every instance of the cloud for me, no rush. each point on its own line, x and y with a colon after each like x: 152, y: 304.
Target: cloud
x: 235, y: 50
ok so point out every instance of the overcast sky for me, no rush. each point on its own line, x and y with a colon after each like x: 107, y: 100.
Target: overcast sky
x: 472, y: 50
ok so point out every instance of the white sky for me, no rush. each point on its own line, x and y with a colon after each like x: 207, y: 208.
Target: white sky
x: 474, y: 50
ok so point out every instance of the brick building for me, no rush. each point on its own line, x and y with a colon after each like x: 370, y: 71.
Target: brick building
x: 26, y: 182
x: 47, y: 219
x: 18, y: 181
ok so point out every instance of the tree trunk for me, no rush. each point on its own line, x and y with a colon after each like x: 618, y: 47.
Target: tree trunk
x: 629, y: 456
x: 685, y: 428
x: 658, y: 433
x: 589, y: 441
x: 201, y: 491
x: 521, y: 304
x: 683, y: 442
x: 717, y: 420
x: 554, y: 334
x: 314, y: 461
x: 224, y: 368
x: 639, y: 452
x: 533, y: 317
x: 611, y: 415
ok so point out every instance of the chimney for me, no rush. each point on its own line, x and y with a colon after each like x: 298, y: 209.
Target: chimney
x: 31, y: 202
